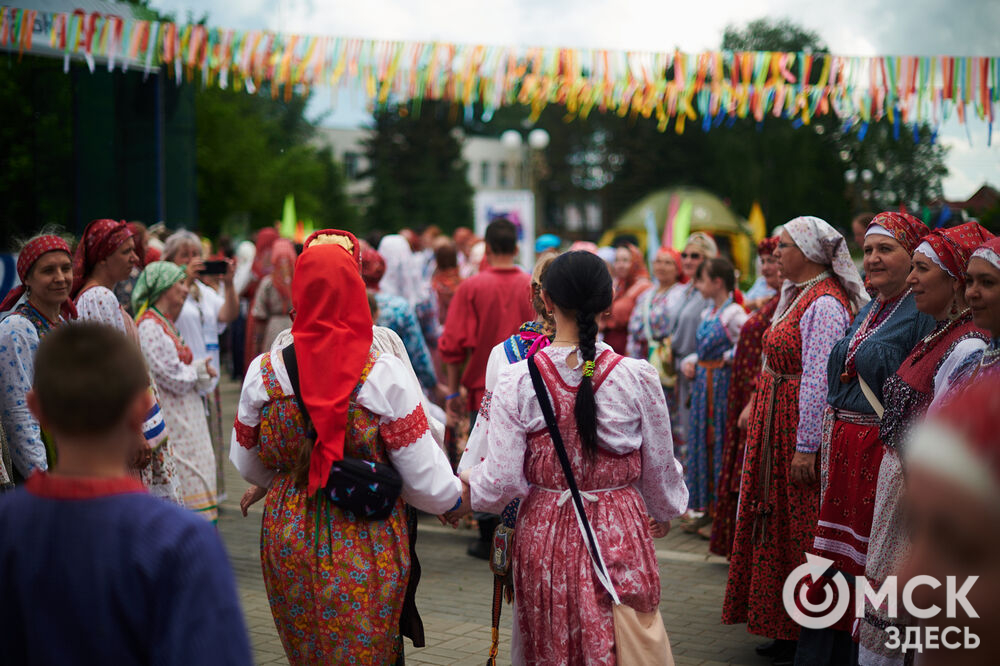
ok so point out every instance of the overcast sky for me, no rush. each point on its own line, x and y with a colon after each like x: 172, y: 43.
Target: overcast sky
x: 858, y: 27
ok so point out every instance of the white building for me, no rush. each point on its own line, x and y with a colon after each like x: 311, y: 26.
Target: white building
x: 491, y: 165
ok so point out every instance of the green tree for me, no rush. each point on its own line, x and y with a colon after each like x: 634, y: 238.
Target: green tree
x: 252, y: 152
x: 417, y: 171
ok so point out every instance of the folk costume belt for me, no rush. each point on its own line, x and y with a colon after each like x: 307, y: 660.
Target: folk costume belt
x: 762, y: 507
x: 567, y: 494
x: 856, y: 418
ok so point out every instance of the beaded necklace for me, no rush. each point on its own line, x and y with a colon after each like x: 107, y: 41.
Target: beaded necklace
x: 803, y: 288
x: 872, y: 323
x: 991, y: 355
x: 927, y: 344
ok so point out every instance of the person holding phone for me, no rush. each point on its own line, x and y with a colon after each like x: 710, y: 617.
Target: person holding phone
x: 204, y: 316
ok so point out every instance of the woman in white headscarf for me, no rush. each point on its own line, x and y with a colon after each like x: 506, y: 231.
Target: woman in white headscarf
x: 780, y: 495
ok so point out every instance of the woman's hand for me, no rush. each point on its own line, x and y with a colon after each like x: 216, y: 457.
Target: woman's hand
x: 208, y: 367
x: 657, y: 529
x: 194, y: 268
x: 743, y: 422
x: 803, y: 469
x: 143, y: 455
x: 688, y: 369
x: 250, y: 497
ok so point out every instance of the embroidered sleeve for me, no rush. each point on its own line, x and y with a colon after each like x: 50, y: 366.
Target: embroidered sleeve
x: 402, y: 432
x: 392, y: 392
x: 957, y: 357
x: 246, y: 435
x: 823, y: 323
x: 18, y: 344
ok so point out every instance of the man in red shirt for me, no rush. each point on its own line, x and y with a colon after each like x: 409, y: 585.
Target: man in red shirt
x: 486, y: 309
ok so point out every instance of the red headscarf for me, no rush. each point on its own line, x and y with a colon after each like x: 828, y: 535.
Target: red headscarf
x: 99, y: 241
x: 954, y: 246
x: 675, y: 256
x: 283, y: 262
x: 333, y: 337
x: 906, y: 229
x: 372, y: 267
x: 266, y: 238
x: 767, y: 246
x: 638, y: 269
x: 31, y: 253
x: 139, y: 234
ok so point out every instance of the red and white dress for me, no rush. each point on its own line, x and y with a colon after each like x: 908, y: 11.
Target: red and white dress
x: 564, y: 613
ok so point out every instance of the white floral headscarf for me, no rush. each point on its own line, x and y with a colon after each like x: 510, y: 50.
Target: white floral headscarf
x: 824, y: 245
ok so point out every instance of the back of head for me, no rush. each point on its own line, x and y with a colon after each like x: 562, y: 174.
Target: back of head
x: 579, y: 282
x: 86, y: 375
x: 719, y: 268
x: 501, y: 237
x: 445, y: 254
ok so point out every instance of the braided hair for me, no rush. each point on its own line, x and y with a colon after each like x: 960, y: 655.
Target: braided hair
x: 580, y: 284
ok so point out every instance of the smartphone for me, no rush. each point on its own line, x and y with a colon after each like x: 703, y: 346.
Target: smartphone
x: 214, y: 268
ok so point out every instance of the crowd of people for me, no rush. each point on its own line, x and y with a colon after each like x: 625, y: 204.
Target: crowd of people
x: 570, y: 412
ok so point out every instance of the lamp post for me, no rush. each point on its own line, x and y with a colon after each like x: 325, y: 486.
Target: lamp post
x: 531, y: 150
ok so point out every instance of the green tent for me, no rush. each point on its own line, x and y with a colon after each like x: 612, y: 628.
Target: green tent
x: 701, y: 209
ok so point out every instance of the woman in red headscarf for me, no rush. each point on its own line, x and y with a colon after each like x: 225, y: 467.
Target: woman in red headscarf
x: 631, y: 280
x: 335, y: 583
x: 261, y: 267
x: 32, y: 309
x: 882, y: 335
x: 104, y: 258
x: 274, y: 297
x: 937, y: 280
x: 746, y: 368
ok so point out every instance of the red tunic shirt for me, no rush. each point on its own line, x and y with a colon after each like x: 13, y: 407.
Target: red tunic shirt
x: 487, y: 309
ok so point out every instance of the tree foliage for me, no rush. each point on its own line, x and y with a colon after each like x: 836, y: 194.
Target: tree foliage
x: 252, y: 152
x: 418, y: 175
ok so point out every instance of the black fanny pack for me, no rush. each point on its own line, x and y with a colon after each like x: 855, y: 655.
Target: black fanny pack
x: 366, y: 488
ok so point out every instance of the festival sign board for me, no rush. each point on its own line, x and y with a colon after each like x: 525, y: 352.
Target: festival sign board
x: 518, y: 206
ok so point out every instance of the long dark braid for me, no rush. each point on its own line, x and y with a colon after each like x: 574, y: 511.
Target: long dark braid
x: 579, y: 283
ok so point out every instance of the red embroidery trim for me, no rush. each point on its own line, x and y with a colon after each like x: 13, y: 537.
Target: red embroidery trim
x: 41, y: 484
x: 405, y: 431
x: 247, y: 436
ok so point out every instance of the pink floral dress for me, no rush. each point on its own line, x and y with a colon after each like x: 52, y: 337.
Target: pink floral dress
x: 563, y: 612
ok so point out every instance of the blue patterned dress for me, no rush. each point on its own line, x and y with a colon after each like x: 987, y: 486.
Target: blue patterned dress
x: 707, y: 427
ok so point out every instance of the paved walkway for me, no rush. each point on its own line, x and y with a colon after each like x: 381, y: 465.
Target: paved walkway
x: 456, y: 591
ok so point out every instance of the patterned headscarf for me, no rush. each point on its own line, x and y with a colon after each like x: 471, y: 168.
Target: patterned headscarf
x: 372, y: 267
x: 29, y: 254
x: 824, y: 245
x: 154, y: 281
x: 989, y: 251
x: 333, y: 337
x: 905, y: 229
x: 705, y: 243
x: 99, y: 241
x: 951, y: 248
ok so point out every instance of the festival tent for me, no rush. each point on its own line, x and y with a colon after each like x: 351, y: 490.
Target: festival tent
x: 675, y: 213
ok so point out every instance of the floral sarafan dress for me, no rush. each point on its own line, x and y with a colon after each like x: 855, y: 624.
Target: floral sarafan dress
x: 335, y: 582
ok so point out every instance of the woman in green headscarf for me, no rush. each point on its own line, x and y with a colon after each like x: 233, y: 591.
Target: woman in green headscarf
x: 158, y: 297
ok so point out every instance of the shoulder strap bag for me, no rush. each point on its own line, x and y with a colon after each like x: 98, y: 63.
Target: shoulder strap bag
x: 366, y: 488
x: 640, y: 638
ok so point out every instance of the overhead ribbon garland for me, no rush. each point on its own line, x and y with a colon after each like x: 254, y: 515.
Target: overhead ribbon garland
x: 672, y: 87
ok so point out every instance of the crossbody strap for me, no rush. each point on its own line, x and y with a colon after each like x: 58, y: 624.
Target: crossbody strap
x: 292, y: 368
x: 581, y: 516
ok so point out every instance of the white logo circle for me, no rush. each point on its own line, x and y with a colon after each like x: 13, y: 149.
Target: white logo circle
x: 814, y: 568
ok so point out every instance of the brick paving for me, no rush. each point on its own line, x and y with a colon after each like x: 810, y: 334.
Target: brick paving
x: 456, y: 591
